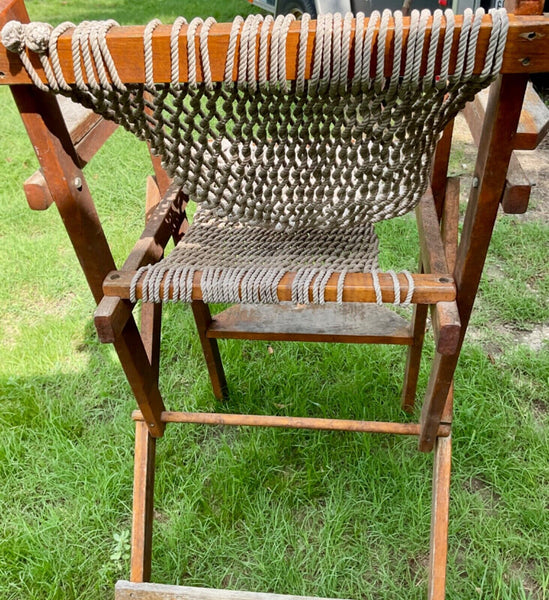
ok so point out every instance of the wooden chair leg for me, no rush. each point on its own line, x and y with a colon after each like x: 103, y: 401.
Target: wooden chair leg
x: 413, y: 359
x: 203, y: 319
x: 143, y: 499
x: 151, y: 318
x: 438, y: 388
x: 439, y: 518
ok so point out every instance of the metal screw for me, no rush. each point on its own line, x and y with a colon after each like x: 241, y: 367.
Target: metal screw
x: 78, y: 183
x: 475, y: 182
x: 525, y: 61
x: 151, y: 424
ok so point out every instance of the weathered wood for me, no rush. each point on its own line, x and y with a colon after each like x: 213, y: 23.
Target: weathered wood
x: 432, y: 250
x: 533, y: 124
x: 79, y: 119
x: 141, y: 377
x: 350, y: 323
x: 153, y: 591
x: 450, y: 222
x: 292, y: 422
x: 525, y: 7
x: 203, y: 320
x: 439, y: 518
x: 496, y: 145
x: 143, y: 503
x: 439, y: 170
x: 446, y: 327
x: 112, y: 313
x: 413, y: 358
x: 36, y: 187
x: 37, y: 191
x: 151, y: 314
x: 526, y: 51
x: 532, y: 128
x: 518, y: 187
x: 358, y: 287
x: 59, y: 163
x: 110, y: 317
x: 80, y: 122
x: 158, y: 230
x: 445, y: 316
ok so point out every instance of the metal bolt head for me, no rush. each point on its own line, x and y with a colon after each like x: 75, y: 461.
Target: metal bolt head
x: 78, y: 183
x: 475, y: 182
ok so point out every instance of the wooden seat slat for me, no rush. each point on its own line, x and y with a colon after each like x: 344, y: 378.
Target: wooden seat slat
x: 350, y: 323
x: 358, y: 287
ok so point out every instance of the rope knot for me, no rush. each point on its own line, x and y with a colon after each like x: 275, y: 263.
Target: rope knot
x: 13, y: 36
x: 37, y: 37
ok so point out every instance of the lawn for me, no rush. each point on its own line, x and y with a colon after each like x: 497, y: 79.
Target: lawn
x: 327, y: 514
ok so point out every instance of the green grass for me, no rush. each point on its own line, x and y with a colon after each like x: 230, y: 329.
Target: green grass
x: 328, y: 514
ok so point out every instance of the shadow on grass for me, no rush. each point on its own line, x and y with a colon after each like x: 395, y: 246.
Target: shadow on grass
x: 302, y: 512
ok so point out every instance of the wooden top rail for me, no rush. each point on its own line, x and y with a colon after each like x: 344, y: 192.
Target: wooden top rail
x: 527, y: 50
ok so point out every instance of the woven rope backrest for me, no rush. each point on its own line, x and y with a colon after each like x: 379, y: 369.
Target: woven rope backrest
x: 343, y: 147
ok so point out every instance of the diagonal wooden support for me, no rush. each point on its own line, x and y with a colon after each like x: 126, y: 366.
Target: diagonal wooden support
x: 502, y: 116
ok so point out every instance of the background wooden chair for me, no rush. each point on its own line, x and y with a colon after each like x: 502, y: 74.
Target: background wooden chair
x: 449, y: 285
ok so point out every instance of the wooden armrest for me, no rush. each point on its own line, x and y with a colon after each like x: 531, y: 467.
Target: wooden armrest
x: 88, y: 132
x: 444, y: 315
x: 112, y: 313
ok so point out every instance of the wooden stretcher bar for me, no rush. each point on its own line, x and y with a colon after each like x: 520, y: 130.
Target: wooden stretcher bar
x: 237, y: 420
x: 527, y: 51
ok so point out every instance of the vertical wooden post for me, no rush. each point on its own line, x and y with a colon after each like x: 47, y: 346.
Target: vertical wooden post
x: 439, y: 172
x: 439, y: 518
x: 439, y: 178
x: 151, y: 313
x: 143, y: 503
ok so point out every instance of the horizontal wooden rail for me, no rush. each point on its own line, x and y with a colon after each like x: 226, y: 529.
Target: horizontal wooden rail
x: 126, y: 590
x: 359, y: 287
x: 291, y: 422
x: 527, y: 51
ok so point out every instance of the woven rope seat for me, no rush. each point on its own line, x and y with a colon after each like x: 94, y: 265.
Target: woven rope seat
x: 289, y: 175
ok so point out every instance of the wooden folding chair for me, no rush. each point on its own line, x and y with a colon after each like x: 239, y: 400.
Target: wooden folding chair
x: 450, y: 264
